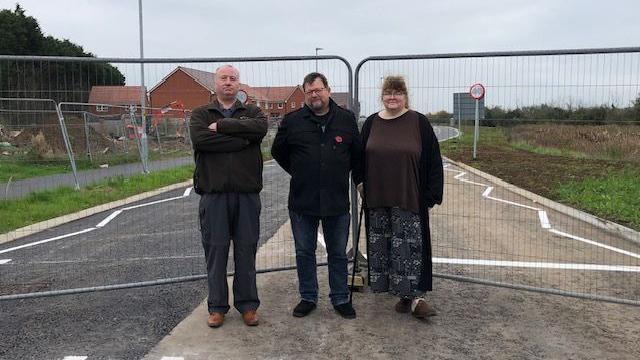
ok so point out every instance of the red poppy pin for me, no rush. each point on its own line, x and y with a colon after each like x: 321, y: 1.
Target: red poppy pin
x: 338, y: 139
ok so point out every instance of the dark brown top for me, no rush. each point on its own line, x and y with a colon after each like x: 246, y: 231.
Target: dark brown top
x: 393, y: 162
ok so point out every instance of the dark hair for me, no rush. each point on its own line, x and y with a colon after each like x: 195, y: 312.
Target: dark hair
x: 396, y: 83
x: 309, y: 79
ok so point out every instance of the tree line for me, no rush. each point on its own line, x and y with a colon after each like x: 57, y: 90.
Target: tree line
x: 61, y: 81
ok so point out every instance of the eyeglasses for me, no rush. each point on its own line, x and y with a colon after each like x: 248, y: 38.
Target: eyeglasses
x: 392, y: 94
x: 316, y: 91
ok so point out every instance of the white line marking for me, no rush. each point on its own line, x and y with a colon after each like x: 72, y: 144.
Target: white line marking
x: 462, y: 173
x: 74, y: 358
x: 615, y: 249
x: 108, y: 218
x: 542, y: 215
x: 538, y: 265
x: 100, y: 224
x: 4, y: 261
x: 111, y: 260
x: 512, y: 203
x: 153, y: 203
x: 544, y: 220
x: 490, y: 188
x: 47, y: 240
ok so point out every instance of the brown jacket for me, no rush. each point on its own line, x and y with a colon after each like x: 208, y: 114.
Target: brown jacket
x: 228, y: 160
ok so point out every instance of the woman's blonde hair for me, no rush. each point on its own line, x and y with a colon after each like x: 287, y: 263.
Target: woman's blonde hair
x: 397, y: 84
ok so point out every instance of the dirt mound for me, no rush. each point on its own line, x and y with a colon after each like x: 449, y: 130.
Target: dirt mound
x: 48, y: 132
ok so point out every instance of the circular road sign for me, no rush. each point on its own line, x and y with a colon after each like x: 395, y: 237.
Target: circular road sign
x: 476, y: 91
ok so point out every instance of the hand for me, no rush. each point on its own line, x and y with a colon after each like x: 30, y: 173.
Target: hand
x: 213, y: 127
x: 360, y: 189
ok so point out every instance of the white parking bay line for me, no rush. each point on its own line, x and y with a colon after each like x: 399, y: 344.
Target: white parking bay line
x: 74, y: 358
x: 538, y: 265
x: 47, y: 240
x: 4, y: 261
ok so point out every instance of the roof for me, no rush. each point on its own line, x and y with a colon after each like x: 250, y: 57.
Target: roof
x: 115, y: 95
x: 206, y: 79
x: 272, y: 93
x: 341, y: 98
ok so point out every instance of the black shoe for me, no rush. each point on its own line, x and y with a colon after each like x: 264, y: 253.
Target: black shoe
x: 346, y: 310
x: 303, y: 308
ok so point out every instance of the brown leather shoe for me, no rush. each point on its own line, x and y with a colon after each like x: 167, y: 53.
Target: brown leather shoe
x: 421, y: 309
x: 215, y: 319
x: 250, y: 318
x: 403, y: 306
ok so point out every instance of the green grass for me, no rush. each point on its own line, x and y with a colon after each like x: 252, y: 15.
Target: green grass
x: 488, y: 135
x: 24, y: 167
x: 614, y: 196
x: 548, y: 151
x: 42, y: 205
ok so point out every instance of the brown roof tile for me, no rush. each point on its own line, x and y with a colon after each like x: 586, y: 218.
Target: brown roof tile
x: 115, y: 95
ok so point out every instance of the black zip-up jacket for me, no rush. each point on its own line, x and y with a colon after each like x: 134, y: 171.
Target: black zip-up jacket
x: 319, y: 160
x: 228, y: 160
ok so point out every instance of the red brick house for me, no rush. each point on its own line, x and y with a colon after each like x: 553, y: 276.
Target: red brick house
x: 114, y: 95
x: 192, y: 87
x: 195, y: 87
x: 276, y: 101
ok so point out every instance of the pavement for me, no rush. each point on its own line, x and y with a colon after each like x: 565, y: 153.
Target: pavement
x: 20, y: 188
x: 472, y: 322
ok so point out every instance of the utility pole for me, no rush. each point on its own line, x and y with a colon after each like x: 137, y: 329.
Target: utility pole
x: 143, y: 93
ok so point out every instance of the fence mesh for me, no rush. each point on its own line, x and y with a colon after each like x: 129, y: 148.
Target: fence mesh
x: 154, y: 237
x: 557, y: 163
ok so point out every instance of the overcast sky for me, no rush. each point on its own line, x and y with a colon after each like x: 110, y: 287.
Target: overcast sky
x: 352, y: 29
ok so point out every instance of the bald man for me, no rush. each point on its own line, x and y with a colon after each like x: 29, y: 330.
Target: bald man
x: 226, y: 136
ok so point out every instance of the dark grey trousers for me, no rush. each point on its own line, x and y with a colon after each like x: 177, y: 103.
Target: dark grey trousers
x: 226, y: 216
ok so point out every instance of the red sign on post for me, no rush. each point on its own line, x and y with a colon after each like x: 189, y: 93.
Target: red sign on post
x: 476, y: 91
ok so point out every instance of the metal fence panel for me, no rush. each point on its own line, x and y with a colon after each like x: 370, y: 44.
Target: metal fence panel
x: 145, y: 240
x: 562, y: 125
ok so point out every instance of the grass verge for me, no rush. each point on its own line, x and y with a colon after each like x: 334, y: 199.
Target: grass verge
x: 24, y: 167
x: 42, y: 205
x: 607, y: 188
x: 616, y: 195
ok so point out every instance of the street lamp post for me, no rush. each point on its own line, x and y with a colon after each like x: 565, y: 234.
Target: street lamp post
x: 143, y: 92
x: 318, y: 48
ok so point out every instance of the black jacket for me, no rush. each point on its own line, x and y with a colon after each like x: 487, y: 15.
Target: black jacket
x: 228, y: 160
x: 431, y: 189
x: 319, y: 161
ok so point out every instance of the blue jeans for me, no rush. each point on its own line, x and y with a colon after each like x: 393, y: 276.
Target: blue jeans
x: 336, y: 234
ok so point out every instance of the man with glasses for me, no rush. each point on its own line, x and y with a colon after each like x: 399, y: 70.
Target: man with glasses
x: 318, y: 145
x: 226, y: 137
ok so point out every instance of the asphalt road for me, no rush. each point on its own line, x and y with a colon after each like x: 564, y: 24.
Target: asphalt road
x: 151, y: 242
x: 478, y: 232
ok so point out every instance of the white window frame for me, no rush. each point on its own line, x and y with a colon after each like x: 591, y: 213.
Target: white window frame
x: 280, y: 105
x: 102, y: 108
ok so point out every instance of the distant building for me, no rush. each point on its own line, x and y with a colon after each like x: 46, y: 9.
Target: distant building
x: 195, y: 87
x: 116, y: 96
